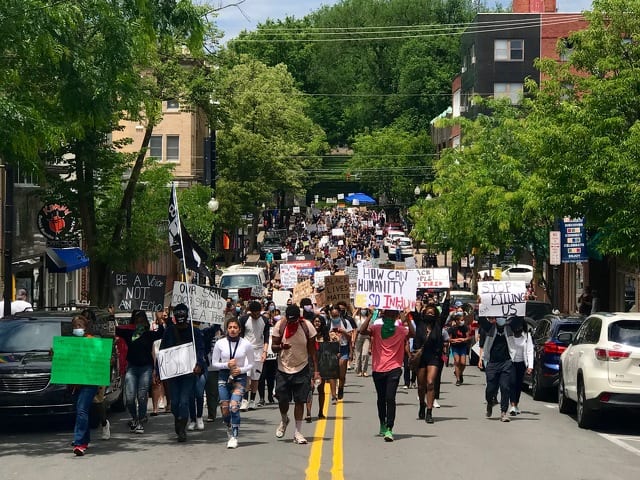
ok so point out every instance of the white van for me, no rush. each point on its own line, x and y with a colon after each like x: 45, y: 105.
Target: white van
x: 240, y: 276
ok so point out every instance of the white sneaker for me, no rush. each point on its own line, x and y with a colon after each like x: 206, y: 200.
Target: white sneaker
x: 252, y: 404
x: 191, y: 426
x: 436, y: 404
x: 106, y: 431
x: 199, y: 424
x: 232, y: 443
x: 282, y: 428
x: 512, y: 411
x: 244, y: 406
x: 299, y: 439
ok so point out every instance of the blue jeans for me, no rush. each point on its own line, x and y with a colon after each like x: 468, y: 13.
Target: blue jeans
x: 196, y: 402
x: 137, y: 381
x: 231, y: 393
x: 181, y: 389
x: 84, y: 397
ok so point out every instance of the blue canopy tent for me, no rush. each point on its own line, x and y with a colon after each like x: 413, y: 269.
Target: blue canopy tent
x: 362, y: 199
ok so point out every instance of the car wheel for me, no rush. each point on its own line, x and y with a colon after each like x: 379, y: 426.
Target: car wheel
x: 565, y: 405
x: 584, y: 413
x: 537, y: 393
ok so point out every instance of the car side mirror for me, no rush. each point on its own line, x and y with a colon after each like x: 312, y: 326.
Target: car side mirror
x: 566, y: 337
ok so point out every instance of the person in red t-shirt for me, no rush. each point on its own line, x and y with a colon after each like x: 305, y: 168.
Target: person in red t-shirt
x: 387, y: 355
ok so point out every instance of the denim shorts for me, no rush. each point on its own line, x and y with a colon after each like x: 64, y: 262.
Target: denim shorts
x: 460, y: 350
x: 344, y: 352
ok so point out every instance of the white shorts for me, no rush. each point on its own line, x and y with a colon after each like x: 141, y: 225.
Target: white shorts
x: 256, y: 371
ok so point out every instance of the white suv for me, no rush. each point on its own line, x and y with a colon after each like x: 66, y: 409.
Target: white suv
x: 601, y: 367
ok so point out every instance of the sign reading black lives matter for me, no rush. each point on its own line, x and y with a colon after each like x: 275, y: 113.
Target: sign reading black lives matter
x: 502, y: 299
x: 137, y: 291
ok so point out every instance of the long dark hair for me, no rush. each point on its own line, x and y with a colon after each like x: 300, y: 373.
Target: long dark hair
x: 323, y: 331
x: 435, y: 336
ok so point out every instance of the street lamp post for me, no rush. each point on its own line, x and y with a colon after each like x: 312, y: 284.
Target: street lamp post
x: 213, y: 206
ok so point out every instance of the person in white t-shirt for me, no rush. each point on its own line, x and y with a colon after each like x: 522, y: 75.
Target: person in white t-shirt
x: 20, y: 304
x: 341, y: 327
x: 255, y: 328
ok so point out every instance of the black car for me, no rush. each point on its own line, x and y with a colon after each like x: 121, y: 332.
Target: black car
x: 272, y: 244
x: 546, y: 352
x: 536, y: 309
x: 25, y: 365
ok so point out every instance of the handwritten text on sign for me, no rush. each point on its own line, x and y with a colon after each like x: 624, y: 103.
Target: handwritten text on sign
x: 137, y: 291
x: 386, y: 289
x: 502, y: 299
x: 205, y: 305
x: 176, y: 361
x: 433, y: 278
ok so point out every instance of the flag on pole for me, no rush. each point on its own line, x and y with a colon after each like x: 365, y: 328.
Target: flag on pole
x: 181, y: 243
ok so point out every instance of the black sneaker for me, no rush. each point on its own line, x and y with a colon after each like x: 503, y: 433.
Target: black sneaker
x: 429, y: 418
x: 421, y: 411
x: 133, y: 424
x: 340, y: 393
x: 489, y: 409
x: 461, y: 379
x: 458, y: 383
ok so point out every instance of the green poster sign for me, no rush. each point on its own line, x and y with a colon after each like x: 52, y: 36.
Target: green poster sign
x: 81, y: 360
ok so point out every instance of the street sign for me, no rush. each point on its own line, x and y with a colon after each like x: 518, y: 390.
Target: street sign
x: 574, y: 240
x: 555, y: 244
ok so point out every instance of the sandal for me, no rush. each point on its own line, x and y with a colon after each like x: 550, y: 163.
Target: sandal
x: 334, y: 400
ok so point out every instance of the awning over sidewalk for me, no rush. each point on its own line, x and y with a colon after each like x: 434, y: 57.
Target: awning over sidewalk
x: 64, y: 260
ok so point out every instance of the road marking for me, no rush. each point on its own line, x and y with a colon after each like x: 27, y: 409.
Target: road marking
x: 315, y: 456
x: 337, y: 470
x: 618, y: 441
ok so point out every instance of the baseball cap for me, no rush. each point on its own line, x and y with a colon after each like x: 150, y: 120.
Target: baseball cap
x: 457, y: 303
x: 292, y: 312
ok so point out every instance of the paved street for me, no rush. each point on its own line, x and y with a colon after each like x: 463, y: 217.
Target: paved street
x: 540, y: 443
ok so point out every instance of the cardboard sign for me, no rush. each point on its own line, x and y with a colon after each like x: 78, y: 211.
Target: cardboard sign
x: 138, y: 291
x: 502, y: 299
x: 433, y: 278
x: 319, y: 277
x: 320, y: 299
x: 205, y: 305
x: 336, y: 289
x: 81, y: 361
x: 386, y: 289
x: 288, y: 275
x: 176, y: 361
x: 302, y: 290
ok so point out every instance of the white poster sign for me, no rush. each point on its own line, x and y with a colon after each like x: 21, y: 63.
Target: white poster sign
x: 176, y: 361
x: 502, y: 299
x: 433, y: 277
x: 204, y: 304
x: 386, y: 289
x: 288, y: 275
x: 319, y: 276
x: 280, y: 298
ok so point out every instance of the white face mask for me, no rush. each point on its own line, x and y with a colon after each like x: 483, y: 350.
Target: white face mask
x: 277, y: 317
x: 501, y: 321
x: 308, y: 308
x: 461, y: 323
x: 78, y: 332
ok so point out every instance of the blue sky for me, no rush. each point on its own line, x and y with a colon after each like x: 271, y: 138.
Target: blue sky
x: 232, y: 21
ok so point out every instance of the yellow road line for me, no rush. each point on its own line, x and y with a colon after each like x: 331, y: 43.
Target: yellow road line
x: 337, y: 470
x: 315, y: 456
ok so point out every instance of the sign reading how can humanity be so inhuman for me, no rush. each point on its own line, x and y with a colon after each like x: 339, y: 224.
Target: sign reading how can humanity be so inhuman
x: 502, y: 299
x: 204, y: 304
x: 386, y: 289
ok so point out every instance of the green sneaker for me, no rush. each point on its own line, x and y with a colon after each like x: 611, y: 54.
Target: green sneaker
x: 388, y: 435
x: 383, y: 430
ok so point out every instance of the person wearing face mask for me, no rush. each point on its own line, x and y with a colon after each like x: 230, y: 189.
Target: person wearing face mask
x: 140, y: 363
x: 362, y: 345
x: 233, y: 358
x: 459, y: 342
x: 522, y: 362
x: 497, y: 356
x: 343, y: 329
x: 268, y: 376
x: 431, y: 363
x: 387, y: 347
x: 181, y: 387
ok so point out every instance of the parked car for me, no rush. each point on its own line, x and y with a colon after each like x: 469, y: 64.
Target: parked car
x: 601, y: 368
x: 26, y: 340
x: 272, y: 244
x: 390, y: 240
x: 547, y: 348
x: 239, y: 276
x: 519, y: 272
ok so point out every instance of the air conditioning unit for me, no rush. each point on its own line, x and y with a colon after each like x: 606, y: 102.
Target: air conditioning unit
x: 463, y: 69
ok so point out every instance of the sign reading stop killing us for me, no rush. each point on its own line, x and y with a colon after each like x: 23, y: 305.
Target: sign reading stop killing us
x: 502, y: 299
x: 386, y: 289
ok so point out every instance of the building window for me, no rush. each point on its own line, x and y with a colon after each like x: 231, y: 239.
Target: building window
x: 566, y: 49
x: 473, y: 54
x: 173, y: 148
x: 512, y: 91
x: 173, y: 105
x: 508, y: 50
x: 155, y: 147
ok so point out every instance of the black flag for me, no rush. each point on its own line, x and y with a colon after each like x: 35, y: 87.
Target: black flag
x: 181, y: 243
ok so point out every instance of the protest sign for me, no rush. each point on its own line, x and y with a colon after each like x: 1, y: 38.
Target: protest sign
x: 318, y: 278
x: 137, y: 291
x: 176, y: 361
x: 320, y: 299
x: 302, y: 290
x: 341, y: 263
x: 305, y: 268
x: 386, y: 289
x: 81, y: 360
x: 502, y: 299
x: 288, y: 275
x: 280, y: 298
x: 205, y: 305
x: 433, y: 277
x: 333, y: 252
x: 336, y: 289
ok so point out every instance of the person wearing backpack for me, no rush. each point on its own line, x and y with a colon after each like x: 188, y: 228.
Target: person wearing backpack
x: 293, y: 339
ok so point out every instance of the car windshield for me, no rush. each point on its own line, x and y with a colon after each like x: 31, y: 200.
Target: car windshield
x: 27, y: 336
x: 568, y: 327
x: 626, y: 332
x: 464, y: 298
x: 239, y: 281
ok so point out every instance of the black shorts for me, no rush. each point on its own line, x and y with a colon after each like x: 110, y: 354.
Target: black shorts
x: 293, y: 386
x: 431, y: 360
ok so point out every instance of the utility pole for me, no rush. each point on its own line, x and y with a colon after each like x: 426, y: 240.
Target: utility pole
x: 8, y: 239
